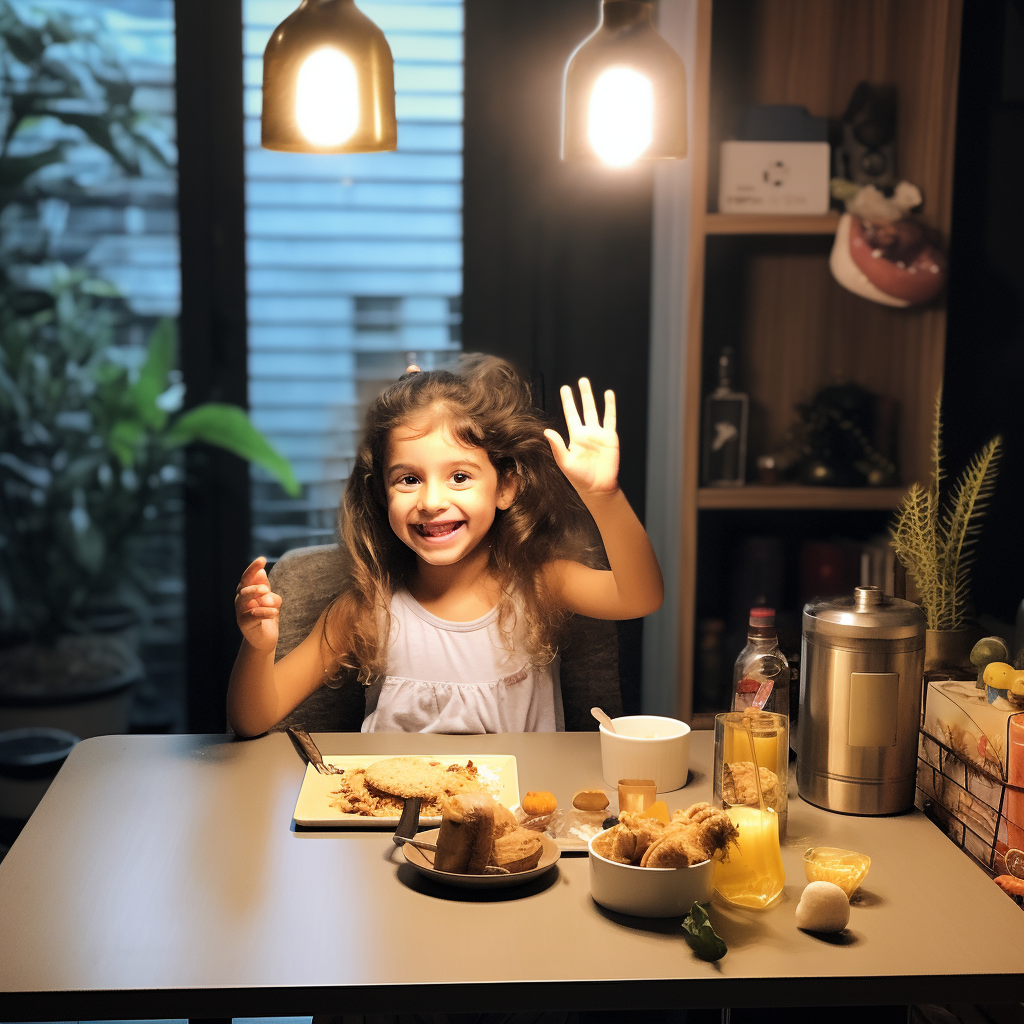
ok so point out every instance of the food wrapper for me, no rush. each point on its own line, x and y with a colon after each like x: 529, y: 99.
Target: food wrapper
x: 570, y: 827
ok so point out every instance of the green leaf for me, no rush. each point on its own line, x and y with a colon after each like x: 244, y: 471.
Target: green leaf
x: 228, y: 426
x: 152, y: 380
x: 123, y: 439
x: 701, y: 936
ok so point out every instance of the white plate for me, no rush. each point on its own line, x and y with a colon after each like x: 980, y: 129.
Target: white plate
x: 422, y: 861
x: 313, y: 806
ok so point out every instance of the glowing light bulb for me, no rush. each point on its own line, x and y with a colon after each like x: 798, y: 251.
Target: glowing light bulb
x: 327, y: 97
x: 620, y: 118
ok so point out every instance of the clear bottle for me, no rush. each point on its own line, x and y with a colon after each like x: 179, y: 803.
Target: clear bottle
x: 761, y: 665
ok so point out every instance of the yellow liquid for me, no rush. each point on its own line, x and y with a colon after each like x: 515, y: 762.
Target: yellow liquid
x: 753, y: 875
x: 766, y: 749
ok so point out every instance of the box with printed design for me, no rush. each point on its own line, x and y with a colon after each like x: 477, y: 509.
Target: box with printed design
x: 971, y: 769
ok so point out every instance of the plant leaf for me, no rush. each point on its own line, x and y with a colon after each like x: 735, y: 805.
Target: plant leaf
x: 936, y: 546
x: 152, y: 380
x: 701, y: 937
x: 962, y: 524
x: 229, y: 427
x: 123, y: 439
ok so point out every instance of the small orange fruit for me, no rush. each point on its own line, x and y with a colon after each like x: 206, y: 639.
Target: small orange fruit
x: 539, y: 802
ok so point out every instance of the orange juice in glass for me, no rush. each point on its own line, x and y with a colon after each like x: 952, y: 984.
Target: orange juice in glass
x: 753, y: 874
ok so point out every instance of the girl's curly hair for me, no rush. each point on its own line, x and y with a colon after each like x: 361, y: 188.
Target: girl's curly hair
x: 483, y: 403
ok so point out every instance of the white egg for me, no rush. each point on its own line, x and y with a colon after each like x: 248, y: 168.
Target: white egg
x: 823, y: 907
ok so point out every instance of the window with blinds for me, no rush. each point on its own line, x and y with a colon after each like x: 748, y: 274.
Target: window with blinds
x: 354, y: 264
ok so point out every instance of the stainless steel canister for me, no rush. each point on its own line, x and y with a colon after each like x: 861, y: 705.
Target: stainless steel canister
x: 860, y: 699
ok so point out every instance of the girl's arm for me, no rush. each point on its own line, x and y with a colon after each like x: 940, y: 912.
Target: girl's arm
x: 632, y: 586
x: 261, y: 693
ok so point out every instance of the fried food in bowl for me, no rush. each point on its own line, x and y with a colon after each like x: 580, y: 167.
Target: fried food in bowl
x: 643, y: 867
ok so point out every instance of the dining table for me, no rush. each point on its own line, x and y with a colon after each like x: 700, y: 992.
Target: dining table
x: 163, y: 876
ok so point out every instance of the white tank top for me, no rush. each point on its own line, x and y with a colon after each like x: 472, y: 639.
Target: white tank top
x: 458, y: 677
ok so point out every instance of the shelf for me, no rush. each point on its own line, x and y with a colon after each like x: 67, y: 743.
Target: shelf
x: 755, y: 496
x: 769, y: 224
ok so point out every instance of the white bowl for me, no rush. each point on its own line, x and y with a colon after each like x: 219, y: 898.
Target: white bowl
x: 648, y: 892
x: 646, y: 747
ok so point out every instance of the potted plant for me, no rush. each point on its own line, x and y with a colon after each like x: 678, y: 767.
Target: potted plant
x: 935, y: 536
x: 88, y: 445
x: 90, y: 430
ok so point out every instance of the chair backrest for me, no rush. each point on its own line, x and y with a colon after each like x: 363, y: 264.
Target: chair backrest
x: 309, y: 578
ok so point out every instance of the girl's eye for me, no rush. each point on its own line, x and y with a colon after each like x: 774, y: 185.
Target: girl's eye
x: 460, y: 477
x: 408, y: 481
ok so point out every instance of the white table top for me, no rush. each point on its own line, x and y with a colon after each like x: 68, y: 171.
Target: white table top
x: 161, y: 876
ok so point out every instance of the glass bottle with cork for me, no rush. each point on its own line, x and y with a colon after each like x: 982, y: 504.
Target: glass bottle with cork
x: 761, y: 674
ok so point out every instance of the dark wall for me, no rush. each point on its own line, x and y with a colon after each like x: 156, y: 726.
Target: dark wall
x: 212, y: 329
x: 984, y: 389
x: 557, y: 255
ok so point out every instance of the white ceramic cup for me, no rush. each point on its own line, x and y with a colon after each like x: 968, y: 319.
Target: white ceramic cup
x: 646, y: 747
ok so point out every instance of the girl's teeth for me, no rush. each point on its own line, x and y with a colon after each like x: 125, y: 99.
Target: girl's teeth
x: 438, y: 531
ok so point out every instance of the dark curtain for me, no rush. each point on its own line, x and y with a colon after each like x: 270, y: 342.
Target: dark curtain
x: 984, y: 378
x: 557, y: 256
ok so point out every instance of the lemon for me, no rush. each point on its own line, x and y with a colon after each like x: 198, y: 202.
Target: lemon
x: 999, y: 675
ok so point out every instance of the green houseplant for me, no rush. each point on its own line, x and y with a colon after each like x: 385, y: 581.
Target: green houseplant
x: 87, y: 443
x: 935, y: 537
x: 91, y: 429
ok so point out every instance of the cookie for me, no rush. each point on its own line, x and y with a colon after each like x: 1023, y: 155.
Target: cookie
x: 406, y: 777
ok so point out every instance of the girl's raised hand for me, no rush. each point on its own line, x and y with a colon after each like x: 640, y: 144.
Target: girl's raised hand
x: 591, y: 461
x: 257, y: 607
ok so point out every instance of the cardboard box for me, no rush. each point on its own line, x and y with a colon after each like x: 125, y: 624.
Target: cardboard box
x: 774, y: 177
x: 971, y: 770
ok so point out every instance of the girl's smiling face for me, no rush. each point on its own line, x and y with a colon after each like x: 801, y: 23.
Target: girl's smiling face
x: 442, y: 495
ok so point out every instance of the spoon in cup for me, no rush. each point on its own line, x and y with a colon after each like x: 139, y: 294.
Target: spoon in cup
x: 603, y: 719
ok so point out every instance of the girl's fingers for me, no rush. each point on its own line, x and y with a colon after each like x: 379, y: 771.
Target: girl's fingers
x: 257, y: 597
x: 572, y: 417
x: 264, y: 613
x: 253, y: 571
x: 558, y: 448
x: 590, y: 416
x: 609, y: 410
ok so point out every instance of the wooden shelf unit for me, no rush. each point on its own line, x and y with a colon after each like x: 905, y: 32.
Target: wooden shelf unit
x: 755, y: 496
x: 765, y: 224
x: 762, y: 283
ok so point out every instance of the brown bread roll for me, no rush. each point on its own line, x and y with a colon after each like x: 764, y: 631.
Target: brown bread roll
x: 590, y: 800
x: 519, y: 850
x: 466, y: 835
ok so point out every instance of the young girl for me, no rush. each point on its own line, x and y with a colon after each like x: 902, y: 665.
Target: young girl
x: 463, y: 519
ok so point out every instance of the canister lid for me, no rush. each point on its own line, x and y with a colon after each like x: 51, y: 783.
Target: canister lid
x: 868, y: 614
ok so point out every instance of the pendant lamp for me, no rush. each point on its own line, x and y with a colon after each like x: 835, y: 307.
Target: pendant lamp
x: 625, y: 91
x: 328, y: 82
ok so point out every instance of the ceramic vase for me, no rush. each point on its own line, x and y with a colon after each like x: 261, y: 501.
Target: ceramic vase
x: 947, y: 653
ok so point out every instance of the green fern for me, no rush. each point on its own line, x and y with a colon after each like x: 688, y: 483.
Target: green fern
x: 937, y: 546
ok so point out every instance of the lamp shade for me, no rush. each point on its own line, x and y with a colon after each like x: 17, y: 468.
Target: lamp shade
x: 625, y: 91
x: 328, y: 82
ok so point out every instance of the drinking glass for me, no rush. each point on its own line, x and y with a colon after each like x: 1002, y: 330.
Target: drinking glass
x: 750, y: 784
x: 637, y: 794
